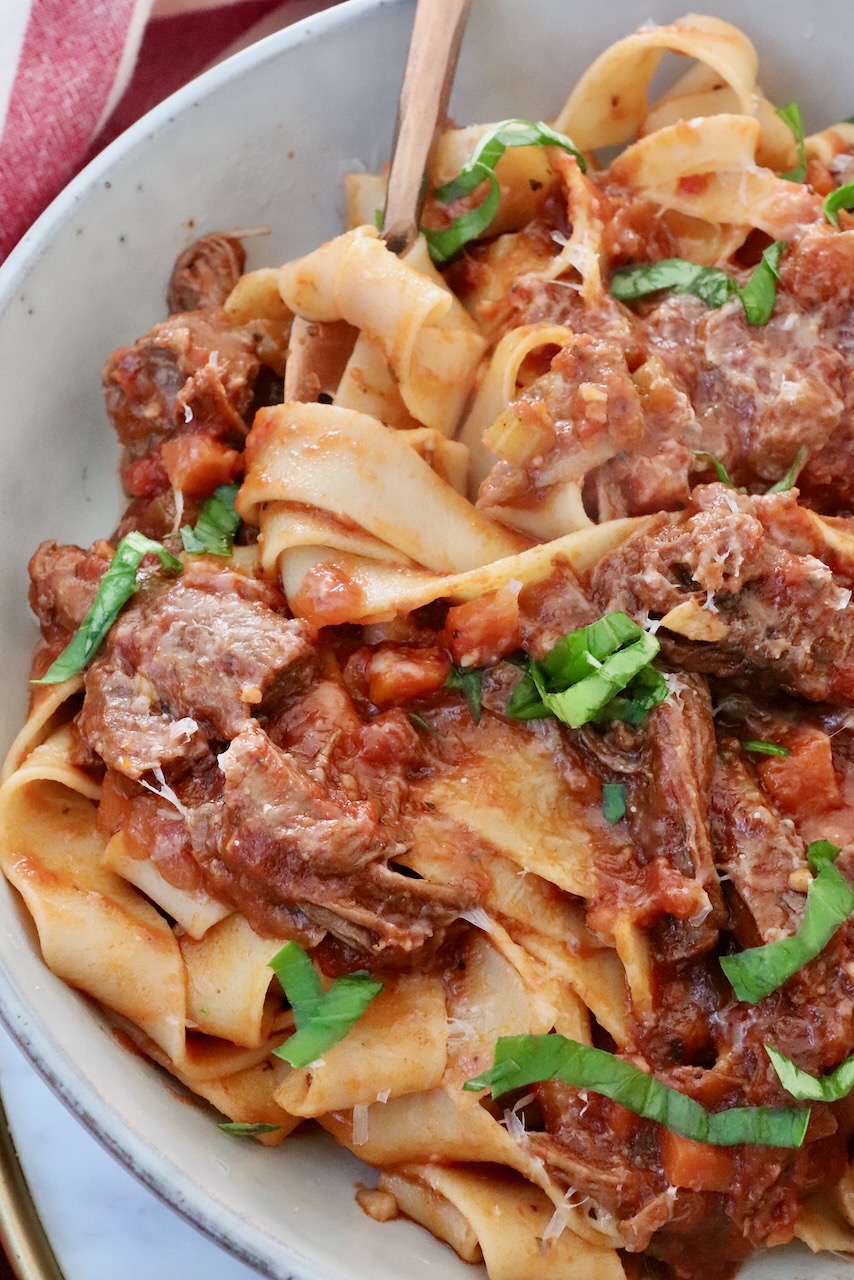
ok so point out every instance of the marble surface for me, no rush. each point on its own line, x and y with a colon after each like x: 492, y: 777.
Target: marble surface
x: 93, y: 1210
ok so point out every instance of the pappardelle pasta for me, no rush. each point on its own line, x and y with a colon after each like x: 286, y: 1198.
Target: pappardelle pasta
x: 452, y: 746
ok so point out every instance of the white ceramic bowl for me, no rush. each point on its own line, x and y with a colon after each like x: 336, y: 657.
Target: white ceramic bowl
x: 264, y: 138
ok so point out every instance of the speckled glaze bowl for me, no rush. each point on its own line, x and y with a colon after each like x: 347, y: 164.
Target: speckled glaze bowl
x: 264, y: 138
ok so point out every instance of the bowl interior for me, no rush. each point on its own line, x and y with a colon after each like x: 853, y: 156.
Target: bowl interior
x: 263, y: 139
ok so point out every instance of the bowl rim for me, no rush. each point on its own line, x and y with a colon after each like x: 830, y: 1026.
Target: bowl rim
x: 223, y: 1224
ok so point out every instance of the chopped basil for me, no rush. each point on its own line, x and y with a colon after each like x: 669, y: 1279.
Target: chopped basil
x: 640, y: 695
x: 216, y: 526
x: 470, y: 681
x: 239, y: 1130
x: 759, y: 295
x: 787, y: 481
x: 755, y: 973
x: 709, y: 284
x: 841, y: 198
x: 524, y: 1060
x: 762, y: 748
x: 481, y: 168
x: 703, y: 455
x: 822, y: 852
x: 791, y: 115
x: 599, y: 672
x: 712, y: 285
x: 116, y: 588
x: 420, y: 723
x: 613, y: 801
x: 322, y: 1017
x: 837, y: 1084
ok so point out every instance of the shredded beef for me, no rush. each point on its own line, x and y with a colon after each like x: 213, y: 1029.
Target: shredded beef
x: 586, y: 408
x: 183, y: 667
x: 784, y: 618
x: 666, y: 767
x: 63, y: 583
x: 296, y: 859
x: 758, y: 851
x: 205, y: 273
x: 193, y: 374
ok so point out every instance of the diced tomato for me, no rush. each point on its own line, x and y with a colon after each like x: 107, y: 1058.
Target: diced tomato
x: 695, y: 1164
x: 805, y: 782
x: 398, y: 676
x: 482, y: 631
x: 328, y: 596
x: 197, y: 464
x: 693, y: 184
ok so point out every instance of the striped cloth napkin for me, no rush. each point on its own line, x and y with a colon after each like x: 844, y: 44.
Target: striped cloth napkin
x: 75, y: 73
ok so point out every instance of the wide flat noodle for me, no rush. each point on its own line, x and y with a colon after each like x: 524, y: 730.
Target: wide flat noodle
x: 45, y: 715
x: 721, y: 150
x: 403, y: 308
x: 51, y: 852
x: 386, y: 591
x: 485, y: 1214
x: 397, y: 1047
x: 349, y: 464
x: 610, y: 103
x: 228, y: 978
x: 193, y: 909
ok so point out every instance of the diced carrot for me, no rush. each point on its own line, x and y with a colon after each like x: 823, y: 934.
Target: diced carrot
x: 805, y: 782
x: 695, y: 1164
x: 482, y: 631
x: 196, y: 464
x: 398, y: 676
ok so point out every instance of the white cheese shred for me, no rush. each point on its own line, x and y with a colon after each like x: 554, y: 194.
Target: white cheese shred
x: 360, y: 1124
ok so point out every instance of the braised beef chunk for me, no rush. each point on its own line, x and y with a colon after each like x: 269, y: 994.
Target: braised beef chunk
x: 183, y: 667
x: 205, y: 273
x: 63, y: 583
x: 777, y: 616
x: 758, y: 852
x: 191, y: 376
x: 297, y: 859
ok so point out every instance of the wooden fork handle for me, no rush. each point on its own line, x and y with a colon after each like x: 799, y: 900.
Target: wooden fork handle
x: 430, y: 66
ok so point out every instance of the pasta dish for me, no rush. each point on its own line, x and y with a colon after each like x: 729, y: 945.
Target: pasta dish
x: 453, y: 744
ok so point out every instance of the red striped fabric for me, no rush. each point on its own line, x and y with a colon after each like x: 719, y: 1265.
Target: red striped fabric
x: 74, y: 62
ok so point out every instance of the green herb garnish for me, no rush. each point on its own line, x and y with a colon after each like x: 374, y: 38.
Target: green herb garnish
x: 599, y: 672
x: 841, y: 198
x: 762, y: 748
x: 787, y: 481
x: 759, y: 294
x: 755, y: 973
x: 240, y: 1130
x: 322, y: 1017
x: 216, y: 526
x: 703, y: 455
x: 481, y: 168
x: 791, y: 116
x: 470, y: 681
x: 524, y: 1060
x: 116, y: 588
x: 613, y: 801
x: 420, y: 723
x: 712, y: 285
x: 837, y: 1084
